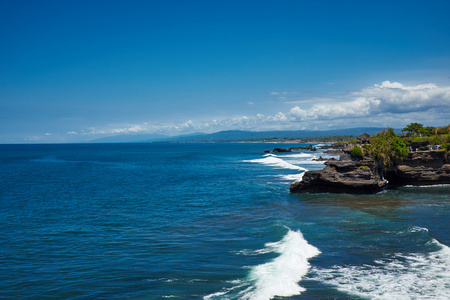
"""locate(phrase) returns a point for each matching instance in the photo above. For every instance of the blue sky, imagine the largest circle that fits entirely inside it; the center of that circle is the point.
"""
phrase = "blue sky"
(73, 71)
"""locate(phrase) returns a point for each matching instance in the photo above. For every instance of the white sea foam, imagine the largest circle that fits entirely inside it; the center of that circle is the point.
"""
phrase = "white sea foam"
(412, 276)
(274, 161)
(225, 292)
(427, 186)
(299, 155)
(306, 162)
(292, 177)
(279, 277)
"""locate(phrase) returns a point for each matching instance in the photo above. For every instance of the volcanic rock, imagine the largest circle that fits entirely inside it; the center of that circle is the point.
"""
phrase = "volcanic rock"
(342, 176)
(421, 168)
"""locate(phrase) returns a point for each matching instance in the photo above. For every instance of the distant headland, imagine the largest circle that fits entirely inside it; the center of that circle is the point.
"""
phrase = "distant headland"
(420, 156)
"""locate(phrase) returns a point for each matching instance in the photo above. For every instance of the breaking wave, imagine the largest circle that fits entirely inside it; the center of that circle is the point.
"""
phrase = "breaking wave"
(403, 276)
(280, 276)
(274, 161)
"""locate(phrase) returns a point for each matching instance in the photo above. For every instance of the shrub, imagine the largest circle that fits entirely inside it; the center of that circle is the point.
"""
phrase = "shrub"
(357, 152)
(387, 148)
(446, 147)
(444, 130)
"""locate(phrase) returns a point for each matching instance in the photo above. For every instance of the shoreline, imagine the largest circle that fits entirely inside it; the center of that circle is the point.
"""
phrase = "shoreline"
(363, 176)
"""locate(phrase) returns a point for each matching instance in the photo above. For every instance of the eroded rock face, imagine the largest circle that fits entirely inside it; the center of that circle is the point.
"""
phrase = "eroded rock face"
(347, 175)
(278, 150)
(421, 168)
(342, 176)
(309, 147)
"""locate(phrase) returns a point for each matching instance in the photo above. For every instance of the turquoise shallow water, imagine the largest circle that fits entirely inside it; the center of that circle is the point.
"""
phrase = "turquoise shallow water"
(208, 221)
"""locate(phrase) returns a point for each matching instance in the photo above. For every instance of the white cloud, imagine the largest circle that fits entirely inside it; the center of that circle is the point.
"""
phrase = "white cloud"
(131, 129)
(396, 98)
(380, 99)
(188, 124)
(381, 105)
(397, 85)
(357, 108)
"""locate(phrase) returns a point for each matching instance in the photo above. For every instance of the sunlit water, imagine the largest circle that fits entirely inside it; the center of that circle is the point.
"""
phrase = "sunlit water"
(208, 221)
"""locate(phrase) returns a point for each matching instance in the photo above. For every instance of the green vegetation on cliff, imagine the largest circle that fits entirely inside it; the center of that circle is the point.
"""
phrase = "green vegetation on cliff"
(419, 136)
(357, 152)
(387, 148)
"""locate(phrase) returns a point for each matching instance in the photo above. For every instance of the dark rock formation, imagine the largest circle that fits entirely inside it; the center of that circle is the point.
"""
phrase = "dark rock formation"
(323, 159)
(348, 175)
(342, 176)
(277, 150)
(309, 147)
(421, 168)
(333, 152)
(334, 146)
(319, 159)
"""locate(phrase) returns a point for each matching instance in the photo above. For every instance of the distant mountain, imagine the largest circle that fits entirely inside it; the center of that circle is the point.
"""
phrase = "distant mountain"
(236, 135)
(130, 138)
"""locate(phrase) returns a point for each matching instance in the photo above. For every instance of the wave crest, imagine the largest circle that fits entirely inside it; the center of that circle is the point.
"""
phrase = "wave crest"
(280, 276)
(411, 276)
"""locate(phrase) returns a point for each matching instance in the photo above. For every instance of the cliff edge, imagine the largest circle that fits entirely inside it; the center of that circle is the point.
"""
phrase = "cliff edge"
(421, 168)
(361, 176)
(345, 175)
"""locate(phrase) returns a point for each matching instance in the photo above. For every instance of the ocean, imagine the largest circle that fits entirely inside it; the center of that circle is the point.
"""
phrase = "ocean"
(208, 221)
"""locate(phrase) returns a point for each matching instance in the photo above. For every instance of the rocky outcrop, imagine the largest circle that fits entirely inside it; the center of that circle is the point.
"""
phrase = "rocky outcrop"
(421, 168)
(336, 148)
(309, 147)
(348, 175)
(333, 146)
(278, 150)
(342, 176)
(323, 159)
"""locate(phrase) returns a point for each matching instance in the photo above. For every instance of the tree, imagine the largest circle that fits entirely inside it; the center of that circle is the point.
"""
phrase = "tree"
(444, 130)
(413, 129)
(387, 148)
(357, 152)
(427, 131)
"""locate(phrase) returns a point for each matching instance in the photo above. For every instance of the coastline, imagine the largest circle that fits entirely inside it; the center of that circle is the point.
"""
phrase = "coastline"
(363, 176)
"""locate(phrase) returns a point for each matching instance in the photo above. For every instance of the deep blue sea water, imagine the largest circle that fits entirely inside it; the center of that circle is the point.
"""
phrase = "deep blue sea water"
(208, 221)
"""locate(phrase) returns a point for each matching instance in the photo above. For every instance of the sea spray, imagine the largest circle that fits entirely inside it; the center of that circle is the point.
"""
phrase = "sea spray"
(292, 177)
(402, 276)
(275, 161)
(280, 276)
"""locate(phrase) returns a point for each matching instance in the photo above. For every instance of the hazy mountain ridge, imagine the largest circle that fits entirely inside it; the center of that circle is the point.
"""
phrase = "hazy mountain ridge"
(236, 135)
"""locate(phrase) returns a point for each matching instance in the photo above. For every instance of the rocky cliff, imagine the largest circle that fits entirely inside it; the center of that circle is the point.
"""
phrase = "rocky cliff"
(348, 175)
(421, 168)
(342, 176)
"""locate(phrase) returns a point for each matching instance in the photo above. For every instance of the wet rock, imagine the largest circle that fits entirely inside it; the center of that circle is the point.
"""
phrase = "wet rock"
(342, 176)
(278, 150)
(421, 168)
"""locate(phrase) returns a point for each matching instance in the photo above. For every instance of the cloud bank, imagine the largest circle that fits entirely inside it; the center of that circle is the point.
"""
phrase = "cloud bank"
(387, 104)
(387, 98)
